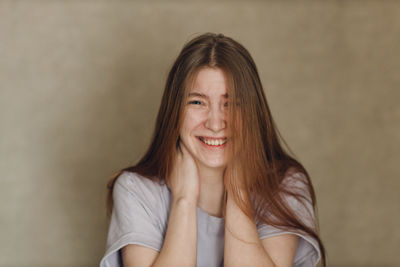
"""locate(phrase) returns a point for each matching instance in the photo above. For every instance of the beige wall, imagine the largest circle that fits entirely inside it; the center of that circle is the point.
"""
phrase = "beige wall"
(80, 85)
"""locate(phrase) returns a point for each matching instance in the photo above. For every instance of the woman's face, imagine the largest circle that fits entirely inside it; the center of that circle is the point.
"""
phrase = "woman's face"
(204, 129)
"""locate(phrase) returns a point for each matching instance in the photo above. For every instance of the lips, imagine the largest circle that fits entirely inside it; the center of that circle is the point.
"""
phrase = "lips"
(212, 141)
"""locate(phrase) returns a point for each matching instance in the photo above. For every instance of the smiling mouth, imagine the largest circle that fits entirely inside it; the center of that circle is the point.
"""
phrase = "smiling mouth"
(213, 142)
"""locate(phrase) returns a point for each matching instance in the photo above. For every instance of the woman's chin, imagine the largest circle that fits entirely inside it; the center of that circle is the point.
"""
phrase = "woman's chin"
(213, 164)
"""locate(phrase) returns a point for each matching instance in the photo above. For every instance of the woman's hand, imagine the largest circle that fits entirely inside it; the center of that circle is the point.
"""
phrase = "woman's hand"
(184, 180)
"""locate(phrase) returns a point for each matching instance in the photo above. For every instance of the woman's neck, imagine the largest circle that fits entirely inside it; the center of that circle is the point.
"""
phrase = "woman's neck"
(211, 190)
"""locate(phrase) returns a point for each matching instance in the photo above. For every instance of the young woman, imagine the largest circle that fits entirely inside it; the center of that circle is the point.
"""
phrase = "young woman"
(215, 187)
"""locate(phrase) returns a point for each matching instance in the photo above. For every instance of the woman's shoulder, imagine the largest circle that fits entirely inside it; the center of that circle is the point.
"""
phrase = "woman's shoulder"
(294, 178)
(140, 186)
(130, 180)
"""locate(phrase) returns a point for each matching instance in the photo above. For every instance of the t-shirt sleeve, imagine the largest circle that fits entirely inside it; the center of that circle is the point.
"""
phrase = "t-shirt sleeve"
(308, 253)
(133, 220)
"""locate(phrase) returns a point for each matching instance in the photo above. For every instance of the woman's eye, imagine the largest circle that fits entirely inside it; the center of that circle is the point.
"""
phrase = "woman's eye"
(195, 102)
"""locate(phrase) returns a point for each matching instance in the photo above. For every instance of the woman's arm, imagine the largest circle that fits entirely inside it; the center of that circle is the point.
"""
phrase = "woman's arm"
(253, 252)
(180, 243)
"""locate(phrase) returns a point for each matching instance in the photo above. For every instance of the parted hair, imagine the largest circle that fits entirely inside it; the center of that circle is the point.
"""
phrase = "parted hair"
(259, 163)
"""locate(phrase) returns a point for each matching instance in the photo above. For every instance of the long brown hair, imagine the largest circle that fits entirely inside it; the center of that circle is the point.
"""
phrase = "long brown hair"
(256, 147)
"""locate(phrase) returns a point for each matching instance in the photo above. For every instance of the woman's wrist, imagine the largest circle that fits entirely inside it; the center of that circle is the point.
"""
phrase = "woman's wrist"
(184, 201)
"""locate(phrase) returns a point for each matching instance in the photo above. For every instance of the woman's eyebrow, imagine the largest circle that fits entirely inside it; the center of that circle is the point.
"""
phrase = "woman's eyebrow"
(198, 94)
(204, 96)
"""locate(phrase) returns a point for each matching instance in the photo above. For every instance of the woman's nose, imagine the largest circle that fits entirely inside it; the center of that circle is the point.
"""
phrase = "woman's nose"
(216, 120)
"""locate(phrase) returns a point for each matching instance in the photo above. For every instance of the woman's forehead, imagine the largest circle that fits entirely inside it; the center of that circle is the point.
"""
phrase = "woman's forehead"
(209, 81)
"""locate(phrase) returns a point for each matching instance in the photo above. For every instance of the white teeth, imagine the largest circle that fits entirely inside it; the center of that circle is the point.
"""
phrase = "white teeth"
(214, 142)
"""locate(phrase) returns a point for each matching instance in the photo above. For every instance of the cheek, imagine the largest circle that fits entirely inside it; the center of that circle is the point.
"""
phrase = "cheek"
(187, 127)
(193, 120)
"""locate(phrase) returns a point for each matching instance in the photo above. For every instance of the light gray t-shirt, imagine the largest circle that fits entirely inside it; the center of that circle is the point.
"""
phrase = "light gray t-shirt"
(140, 216)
